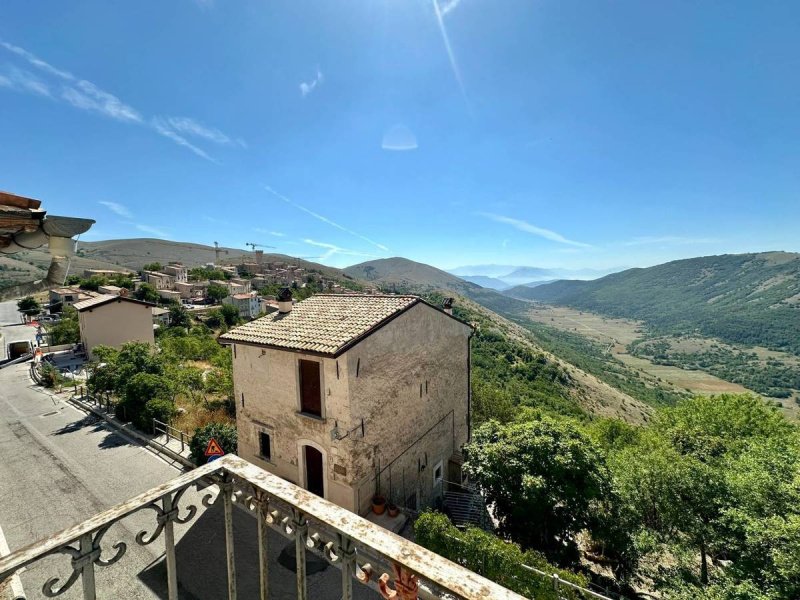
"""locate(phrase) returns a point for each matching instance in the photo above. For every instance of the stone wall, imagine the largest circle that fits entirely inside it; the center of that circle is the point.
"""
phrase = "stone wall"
(409, 383)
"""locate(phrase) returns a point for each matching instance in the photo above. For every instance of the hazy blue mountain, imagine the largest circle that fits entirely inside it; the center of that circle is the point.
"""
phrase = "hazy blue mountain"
(488, 282)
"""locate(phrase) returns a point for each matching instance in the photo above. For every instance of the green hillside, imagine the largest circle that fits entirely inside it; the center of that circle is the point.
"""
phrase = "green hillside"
(751, 299)
(402, 273)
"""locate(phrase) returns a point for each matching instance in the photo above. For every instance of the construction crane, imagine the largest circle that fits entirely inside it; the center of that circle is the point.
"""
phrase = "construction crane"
(217, 252)
(254, 246)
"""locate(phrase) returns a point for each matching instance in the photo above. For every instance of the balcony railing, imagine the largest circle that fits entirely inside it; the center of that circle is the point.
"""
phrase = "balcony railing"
(364, 552)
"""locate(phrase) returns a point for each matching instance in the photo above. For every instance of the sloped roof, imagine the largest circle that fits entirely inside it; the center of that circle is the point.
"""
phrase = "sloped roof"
(323, 323)
(105, 299)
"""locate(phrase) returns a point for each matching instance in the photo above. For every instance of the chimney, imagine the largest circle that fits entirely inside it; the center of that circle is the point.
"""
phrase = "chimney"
(285, 301)
(447, 306)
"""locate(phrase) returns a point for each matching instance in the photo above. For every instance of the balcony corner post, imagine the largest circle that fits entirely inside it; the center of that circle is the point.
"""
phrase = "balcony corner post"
(347, 553)
(300, 534)
(85, 563)
(226, 486)
(263, 547)
(170, 512)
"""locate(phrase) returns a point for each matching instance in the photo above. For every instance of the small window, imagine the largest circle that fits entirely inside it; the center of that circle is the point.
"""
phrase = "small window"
(264, 445)
(437, 473)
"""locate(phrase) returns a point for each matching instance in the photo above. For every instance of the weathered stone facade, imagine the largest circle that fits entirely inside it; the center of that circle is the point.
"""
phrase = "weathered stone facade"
(407, 382)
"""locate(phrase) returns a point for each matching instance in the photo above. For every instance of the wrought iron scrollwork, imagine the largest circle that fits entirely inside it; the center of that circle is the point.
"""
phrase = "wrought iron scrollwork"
(89, 552)
(164, 516)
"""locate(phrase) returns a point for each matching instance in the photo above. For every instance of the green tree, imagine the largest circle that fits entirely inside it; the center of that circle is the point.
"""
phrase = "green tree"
(29, 306)
(67, 330)
(494, 558)
(217, 292)
(230, 314)
(140, 390)
(153, 266)
(225, 435)
(543, 478)
(147, 293)
(179, 316)
(93, 282)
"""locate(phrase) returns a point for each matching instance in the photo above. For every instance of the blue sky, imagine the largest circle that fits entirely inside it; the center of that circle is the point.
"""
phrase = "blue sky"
(553, 134)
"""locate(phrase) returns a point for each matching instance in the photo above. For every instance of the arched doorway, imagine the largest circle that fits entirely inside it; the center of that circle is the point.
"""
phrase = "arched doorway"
(315, 473)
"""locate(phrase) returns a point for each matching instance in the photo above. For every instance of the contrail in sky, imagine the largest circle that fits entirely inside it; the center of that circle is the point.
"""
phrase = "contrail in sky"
(324, 219)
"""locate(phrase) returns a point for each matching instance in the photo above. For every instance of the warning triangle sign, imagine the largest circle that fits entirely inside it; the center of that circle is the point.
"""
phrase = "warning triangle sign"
(213, 448)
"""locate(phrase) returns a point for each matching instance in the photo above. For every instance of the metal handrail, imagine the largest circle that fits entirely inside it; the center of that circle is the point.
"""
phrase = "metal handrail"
(170, 431)
(359, 548)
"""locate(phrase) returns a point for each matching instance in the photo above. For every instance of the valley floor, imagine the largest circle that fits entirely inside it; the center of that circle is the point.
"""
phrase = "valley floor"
(617, 334)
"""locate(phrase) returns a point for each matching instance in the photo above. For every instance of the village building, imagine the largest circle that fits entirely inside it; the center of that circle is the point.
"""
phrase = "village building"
(170, 295)
(66, 296)
(112, 289)
(160, 316)
(248, 305)
(105, 273)
(352, 396)
(192, 289)
(160, 281)
(114, 320)
(178, 272)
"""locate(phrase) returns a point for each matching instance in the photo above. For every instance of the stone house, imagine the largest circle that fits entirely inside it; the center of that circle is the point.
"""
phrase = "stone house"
(248, 305)
(160, 281)
(66, 296)
(349, 395)
(114, 320)
(178, 272)
(192, 289)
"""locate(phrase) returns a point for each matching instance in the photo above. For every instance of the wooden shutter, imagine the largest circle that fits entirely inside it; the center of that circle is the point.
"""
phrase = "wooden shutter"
(310, 388)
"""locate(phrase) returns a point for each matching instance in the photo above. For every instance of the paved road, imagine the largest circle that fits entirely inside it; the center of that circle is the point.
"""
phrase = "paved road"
(12, 328)
(60, 467)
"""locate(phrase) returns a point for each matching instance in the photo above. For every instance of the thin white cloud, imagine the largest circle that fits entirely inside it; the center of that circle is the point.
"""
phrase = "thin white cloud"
(37, 62)
(269, 232)
(333, 249)
(668, 239)
(117, 208)
(24, 81)
(85, 95)
(324, 219)
(535, 230)
(307, 87)
(151, 230)
(185, 125)
(163, 129)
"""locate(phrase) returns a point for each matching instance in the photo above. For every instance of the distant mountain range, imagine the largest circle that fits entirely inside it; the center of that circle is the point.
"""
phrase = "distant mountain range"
(502, 277)
(739, 298)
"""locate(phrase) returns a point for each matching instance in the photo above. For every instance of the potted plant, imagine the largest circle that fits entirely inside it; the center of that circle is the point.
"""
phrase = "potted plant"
(392, 509)
(378, 504)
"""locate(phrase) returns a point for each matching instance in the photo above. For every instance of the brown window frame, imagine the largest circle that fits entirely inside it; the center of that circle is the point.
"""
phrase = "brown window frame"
(306, 387)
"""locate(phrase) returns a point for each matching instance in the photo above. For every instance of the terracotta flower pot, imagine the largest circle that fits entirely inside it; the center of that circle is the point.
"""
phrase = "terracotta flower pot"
(393, 510)
(378, 504)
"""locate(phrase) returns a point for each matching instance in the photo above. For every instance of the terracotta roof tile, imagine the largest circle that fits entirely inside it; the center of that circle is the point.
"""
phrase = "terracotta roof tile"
(84, 304)
(323, 323)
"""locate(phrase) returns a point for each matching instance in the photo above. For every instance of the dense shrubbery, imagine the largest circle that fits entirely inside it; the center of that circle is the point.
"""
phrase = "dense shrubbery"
(492, 557)
(67, 330)
(702, 503)
(224, 434)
